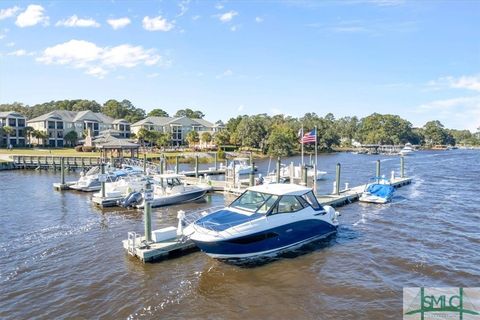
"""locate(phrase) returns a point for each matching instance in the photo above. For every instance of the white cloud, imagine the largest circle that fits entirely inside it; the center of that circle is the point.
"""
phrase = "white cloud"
(227, 16)
(183, 5)
(234, 28)
(99, 61)
(33, 15)
(10, 44)
(226, 73)
(18, 53)
(462, 82)
(460, 113)
(8, 12)
(240, 108)
(219, 6)
(258, 19)
(153, 75)
(195, 18)
(75, 21)
(157, 24)
(119, 23)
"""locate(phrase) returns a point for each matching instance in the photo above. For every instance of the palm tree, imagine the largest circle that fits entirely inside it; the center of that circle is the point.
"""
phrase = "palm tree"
(28, 133)
(192, 137)
(71, 138)
(40, 135)
(8, 131)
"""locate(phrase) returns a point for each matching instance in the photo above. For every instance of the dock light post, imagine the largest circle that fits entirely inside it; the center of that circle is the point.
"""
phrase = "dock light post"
(215, 158)
(176, 164)
(279, 162)
(252, 181)
(62, 169)
(402, 167)
(147, 211)
(196, 166)
(315, 179)
(337, 179)
(377, 173)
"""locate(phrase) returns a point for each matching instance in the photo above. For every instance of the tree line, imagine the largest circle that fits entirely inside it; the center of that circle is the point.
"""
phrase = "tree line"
(274, 135)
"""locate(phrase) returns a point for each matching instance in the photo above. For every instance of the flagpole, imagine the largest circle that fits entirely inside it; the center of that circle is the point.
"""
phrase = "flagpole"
(316, 147)
(301, 141)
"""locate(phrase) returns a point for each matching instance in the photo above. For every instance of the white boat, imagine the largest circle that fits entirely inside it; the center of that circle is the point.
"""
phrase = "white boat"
(265, 220)
(241, 166)
(90, 180)
(124, 185)
(169, 189)
(407, 149)
(380, 191)
(286, 174)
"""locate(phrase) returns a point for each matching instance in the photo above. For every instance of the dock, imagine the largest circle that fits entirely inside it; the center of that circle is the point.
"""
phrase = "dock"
(157, 250)
(54, 162)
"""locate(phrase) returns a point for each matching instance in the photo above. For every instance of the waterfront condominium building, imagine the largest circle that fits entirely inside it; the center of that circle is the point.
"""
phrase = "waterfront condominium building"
(59, 123)
(15, 121)
(177, 127)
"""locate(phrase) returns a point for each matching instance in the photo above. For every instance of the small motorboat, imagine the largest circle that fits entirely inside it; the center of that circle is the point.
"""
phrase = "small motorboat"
(124, 185)
(286, 174)
(380, 191)
(241, 166)
(407, 149)
(264, 221)
(90, 181)
(169, 189)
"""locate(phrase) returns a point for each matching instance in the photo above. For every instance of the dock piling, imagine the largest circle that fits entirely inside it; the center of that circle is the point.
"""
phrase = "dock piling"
(196, 166)
(145, 163)
(402, 167)
(252, 180)
(103, 180)
(278, 169)
(377, 172)
(215, 158)
(315, 179)
(148, 213)
(176, 164)
(62, 169)
(337, 179)
(304, 175)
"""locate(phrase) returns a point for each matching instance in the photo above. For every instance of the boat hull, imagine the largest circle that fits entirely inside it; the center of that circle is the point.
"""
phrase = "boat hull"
(268, 242)
(177, 198)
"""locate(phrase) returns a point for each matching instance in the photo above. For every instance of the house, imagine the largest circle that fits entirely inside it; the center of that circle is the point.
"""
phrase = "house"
(123, 127)
(177, 127)
(16, 121)
(59, 123)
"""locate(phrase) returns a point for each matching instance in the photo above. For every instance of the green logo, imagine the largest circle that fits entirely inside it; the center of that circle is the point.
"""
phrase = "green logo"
(441, 303)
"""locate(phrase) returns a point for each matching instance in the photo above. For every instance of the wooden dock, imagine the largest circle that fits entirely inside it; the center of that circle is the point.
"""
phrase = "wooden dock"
(53, 162)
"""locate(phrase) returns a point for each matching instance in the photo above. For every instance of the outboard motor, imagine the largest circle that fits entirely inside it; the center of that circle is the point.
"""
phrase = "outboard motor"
(132, 199)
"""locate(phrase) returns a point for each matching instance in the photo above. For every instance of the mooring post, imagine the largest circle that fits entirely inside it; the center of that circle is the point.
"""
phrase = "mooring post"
(305, 175)
(215, 159)
(112, 161)
(103, 179)
(145, 163)
(252, 178)
(315, 179)
(196, 166)
(279, 163)
(234, 174)
(161, 170)
(337, 179)
(62, 169)
(377, 172)
(148, 213)
(176, 164)
(402, 167)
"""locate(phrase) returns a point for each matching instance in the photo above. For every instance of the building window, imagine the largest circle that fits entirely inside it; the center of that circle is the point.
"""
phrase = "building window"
(12, 122)
(177, 133)
(122, 127)
(51, 124)
(59, 143)
(59, 134)
(20, 133)
(127, 127)
(51, 143)
(21, 122)
(59, 125)
(95, 126)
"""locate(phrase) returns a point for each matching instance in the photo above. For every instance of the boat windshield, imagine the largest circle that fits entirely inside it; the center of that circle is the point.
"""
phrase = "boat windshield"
(253, 201)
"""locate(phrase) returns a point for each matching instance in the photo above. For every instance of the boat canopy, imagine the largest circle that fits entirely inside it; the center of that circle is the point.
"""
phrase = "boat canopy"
(380, 190)
(281, 189)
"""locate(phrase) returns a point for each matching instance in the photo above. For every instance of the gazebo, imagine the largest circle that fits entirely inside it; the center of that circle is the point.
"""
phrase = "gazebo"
(111, 146)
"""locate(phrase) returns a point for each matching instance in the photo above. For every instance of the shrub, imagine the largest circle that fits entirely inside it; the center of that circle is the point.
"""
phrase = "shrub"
(79, 148)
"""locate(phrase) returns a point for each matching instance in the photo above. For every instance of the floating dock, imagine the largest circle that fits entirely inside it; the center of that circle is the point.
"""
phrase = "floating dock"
(157, 250)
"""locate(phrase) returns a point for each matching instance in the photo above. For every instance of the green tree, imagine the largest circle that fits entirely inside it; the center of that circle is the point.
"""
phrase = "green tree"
(384, 129)
(281, 141)
(28, 133)
(8, 131)
(206, 137)
(252, 131)
(221, 138)
(71, 138)
(189, 113)
(192, 138)
(123, 110)
(435, 133)
(163, 139)
(157, 113)
(40, 135)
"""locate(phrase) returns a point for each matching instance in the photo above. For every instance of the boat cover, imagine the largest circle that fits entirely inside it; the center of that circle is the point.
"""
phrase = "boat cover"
(381, 190)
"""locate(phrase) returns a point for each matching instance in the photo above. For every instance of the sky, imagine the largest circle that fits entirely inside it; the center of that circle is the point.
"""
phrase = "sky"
(417, 59)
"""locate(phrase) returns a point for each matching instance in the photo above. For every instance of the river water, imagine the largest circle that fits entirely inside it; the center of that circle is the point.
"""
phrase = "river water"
(61, 257)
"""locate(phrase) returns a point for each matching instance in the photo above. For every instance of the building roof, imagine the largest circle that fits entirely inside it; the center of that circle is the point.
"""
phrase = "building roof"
(110, 142)
(74, 116)
(120, 121)
(11, 113)
(162, 121)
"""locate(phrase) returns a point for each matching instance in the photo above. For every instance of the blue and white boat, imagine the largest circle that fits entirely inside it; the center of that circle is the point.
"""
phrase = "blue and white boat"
(265, 220)
(380, 191)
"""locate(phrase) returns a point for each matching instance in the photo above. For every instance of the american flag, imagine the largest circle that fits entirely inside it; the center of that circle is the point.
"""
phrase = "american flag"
(309, 137)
